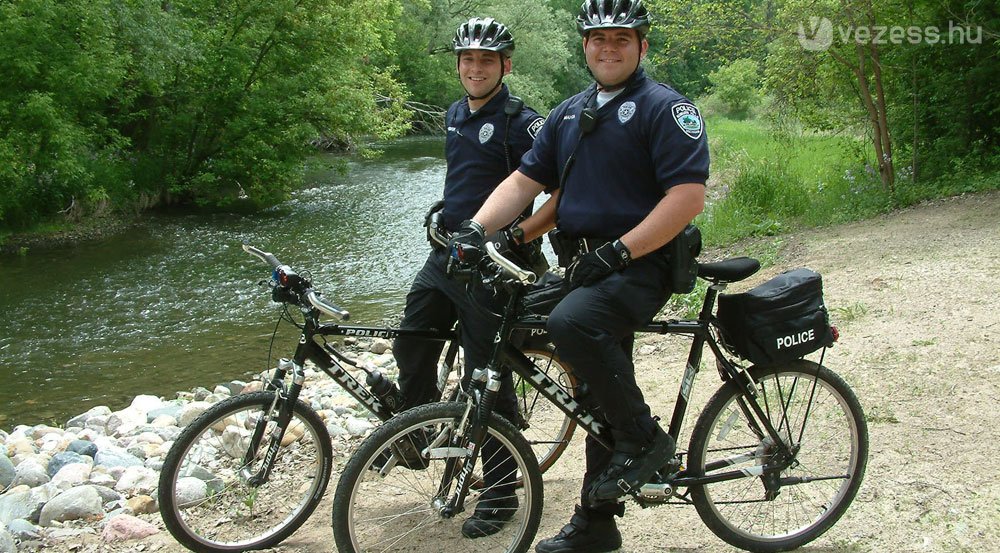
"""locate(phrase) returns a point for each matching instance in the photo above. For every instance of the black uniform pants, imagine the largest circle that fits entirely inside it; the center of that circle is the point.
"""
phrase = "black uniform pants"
(436, 301)
(592, 329)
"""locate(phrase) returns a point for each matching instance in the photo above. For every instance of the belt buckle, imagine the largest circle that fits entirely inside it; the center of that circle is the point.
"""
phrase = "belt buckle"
(584, 247)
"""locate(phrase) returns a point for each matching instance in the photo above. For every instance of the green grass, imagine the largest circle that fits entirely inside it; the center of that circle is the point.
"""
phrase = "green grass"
(771, 181)
(851, 312)
(774, 181)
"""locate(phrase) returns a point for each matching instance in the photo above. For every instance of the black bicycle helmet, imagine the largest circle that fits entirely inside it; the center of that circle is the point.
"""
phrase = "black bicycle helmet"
(483, 33)
(613, 14)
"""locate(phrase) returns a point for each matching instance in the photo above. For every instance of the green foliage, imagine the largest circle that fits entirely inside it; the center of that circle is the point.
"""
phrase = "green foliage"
(736, 86)
(690, 39)
(105, 103)
(770, 181)
(851, 312)
(946, 117)
(544, 36)
(126, 104)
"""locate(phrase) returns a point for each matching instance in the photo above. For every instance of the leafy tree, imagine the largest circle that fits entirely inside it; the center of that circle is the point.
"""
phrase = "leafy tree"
(60, 69)
(424, 59)
(737, 86)
(947, 117)
(137, 102)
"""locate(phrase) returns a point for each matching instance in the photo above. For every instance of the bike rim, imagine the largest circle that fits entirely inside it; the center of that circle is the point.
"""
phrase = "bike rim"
(829, 452)
(549, 429)
(234, 515)
(410, 494)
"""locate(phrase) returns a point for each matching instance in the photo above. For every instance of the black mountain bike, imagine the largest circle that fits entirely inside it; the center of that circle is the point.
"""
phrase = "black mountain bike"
(775, 458)
(250, 470)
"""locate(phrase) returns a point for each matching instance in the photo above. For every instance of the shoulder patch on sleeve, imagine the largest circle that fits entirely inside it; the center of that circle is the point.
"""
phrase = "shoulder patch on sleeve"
(688, 118)
(535, 126)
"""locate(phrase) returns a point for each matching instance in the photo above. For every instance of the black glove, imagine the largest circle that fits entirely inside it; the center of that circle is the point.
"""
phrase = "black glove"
(435, 207)
(505, 243)
(466, 245)
(593, 266)
(436, 235)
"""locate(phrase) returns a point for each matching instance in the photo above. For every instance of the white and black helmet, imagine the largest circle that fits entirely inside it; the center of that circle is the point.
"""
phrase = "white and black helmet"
(483, 33)
(613, 14)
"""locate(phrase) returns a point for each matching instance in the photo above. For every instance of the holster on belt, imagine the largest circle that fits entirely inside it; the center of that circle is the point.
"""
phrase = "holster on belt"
(565, 248)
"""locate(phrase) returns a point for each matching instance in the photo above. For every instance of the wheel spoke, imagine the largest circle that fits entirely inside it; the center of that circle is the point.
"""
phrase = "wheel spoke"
(790, 508)
(205, 501)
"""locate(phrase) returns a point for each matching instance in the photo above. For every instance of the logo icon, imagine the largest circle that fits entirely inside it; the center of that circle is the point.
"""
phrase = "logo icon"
(485, 133)
(534, 127)
(820, 35)
(626, 111)
(688, 119)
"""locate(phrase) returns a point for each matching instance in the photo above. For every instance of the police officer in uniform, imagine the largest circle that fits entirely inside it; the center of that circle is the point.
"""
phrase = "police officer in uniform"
(626, 161)
(488, 132)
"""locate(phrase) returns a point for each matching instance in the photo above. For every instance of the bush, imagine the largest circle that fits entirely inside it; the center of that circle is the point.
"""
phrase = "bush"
(111, 104)
(737, 87)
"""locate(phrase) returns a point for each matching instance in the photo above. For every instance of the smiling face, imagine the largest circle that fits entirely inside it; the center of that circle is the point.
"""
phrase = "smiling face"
(613, 54)
(480, 72)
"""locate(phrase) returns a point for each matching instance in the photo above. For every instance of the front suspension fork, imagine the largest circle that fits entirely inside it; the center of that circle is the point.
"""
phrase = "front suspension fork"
(476, 436)
(280, 413)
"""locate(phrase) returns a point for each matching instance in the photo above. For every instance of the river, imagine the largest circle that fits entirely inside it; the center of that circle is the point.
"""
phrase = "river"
(174, 303)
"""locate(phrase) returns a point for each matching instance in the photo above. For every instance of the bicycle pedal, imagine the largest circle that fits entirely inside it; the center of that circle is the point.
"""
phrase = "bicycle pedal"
(656, 492)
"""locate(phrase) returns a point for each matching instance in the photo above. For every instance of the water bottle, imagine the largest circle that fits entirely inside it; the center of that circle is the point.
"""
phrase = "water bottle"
(385, 390)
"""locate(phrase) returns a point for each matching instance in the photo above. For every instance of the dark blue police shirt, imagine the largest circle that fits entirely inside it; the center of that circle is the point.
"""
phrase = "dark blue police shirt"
(647, 139)
(475, 153)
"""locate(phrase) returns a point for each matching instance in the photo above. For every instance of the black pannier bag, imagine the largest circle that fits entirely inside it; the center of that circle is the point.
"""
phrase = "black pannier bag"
(779, 321)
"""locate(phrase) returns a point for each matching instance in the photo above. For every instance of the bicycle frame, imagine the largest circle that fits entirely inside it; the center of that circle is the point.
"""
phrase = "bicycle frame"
(699, 329)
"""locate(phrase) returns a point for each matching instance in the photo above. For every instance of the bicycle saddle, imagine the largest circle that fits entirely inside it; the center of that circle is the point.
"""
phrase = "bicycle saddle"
(733, 269)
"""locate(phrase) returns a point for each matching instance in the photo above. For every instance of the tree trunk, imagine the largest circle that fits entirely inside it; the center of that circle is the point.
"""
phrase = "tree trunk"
(876, 106)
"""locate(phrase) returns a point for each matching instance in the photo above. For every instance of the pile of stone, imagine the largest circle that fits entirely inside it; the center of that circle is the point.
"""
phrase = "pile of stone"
(98, 474)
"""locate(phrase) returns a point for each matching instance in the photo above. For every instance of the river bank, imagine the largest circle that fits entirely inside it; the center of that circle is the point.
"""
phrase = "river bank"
(58, 234)
(97, 474)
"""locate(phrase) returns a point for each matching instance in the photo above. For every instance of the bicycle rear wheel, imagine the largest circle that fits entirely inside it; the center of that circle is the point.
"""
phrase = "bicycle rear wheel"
(206, 498)
(548, 430)
(819, 418)
(383, 505)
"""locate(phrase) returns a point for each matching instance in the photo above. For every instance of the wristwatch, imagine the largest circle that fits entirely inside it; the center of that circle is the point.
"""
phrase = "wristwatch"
(622, 251)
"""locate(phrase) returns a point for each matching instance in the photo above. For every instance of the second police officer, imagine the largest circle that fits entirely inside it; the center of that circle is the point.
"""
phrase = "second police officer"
(626, 162)
(488, 131)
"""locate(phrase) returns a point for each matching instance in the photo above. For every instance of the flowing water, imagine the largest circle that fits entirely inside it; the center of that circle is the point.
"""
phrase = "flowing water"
(175, 302)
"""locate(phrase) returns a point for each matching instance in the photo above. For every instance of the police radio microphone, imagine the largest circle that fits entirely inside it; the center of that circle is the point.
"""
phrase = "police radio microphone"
(514, 105)
(588, 120)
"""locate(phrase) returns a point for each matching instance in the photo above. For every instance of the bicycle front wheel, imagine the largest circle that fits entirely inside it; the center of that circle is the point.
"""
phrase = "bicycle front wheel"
(386, 501)
(210, 493)
(548, 430)
(820, 420)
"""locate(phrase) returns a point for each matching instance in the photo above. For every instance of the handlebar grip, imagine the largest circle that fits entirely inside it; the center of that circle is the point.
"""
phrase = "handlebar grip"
(326, 307)
(511, 268)
(264, 256)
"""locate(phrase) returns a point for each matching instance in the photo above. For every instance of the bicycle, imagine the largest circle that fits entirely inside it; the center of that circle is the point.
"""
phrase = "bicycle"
(250, 470)
(774, 460)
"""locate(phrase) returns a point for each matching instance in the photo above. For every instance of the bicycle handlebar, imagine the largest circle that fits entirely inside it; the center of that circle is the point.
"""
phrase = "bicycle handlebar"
(512, 269)
(326, 307)
(266, 257)
(310, 295)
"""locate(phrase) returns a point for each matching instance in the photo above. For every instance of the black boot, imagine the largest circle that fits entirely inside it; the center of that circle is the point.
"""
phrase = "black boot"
(587, 532)
(632, 465)
(492, 512)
